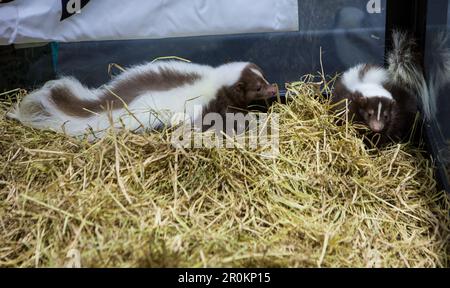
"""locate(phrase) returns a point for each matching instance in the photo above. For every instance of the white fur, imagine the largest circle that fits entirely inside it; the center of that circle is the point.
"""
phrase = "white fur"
(149, 110)
(376, 75)
(380, 108)
(371, 85)
(260, 75)
(372, 90)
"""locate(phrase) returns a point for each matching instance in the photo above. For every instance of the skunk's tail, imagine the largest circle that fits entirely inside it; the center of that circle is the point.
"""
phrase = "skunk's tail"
(38, 109)
(406, 72)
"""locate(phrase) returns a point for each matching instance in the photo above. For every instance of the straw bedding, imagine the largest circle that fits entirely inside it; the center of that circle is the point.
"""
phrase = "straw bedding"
(134, 200)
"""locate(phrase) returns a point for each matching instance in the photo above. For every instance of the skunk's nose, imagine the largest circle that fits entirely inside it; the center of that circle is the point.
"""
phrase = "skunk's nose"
(272, 90)
(376, 126)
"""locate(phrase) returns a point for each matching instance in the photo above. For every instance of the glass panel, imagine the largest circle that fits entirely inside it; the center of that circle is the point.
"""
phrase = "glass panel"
(25, 67)
(437, 67)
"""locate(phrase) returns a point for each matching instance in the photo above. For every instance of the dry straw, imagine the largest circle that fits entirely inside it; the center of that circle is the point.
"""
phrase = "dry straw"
(133, 200)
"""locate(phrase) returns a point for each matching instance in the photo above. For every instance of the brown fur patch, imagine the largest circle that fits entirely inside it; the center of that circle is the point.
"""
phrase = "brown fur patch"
(71, 105)
(236, 98)
(240, 94)
(127, 89)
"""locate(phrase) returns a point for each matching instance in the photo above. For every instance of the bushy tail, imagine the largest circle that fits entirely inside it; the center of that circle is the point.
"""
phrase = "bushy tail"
(34, 110)
(405, 71)
(37, 109)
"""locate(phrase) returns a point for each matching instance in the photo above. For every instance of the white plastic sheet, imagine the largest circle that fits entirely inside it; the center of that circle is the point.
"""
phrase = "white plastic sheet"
(25, 21)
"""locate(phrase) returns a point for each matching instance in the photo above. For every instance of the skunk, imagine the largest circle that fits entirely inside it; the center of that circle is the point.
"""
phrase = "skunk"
(385, 100)
(386, 108)
(144, 97)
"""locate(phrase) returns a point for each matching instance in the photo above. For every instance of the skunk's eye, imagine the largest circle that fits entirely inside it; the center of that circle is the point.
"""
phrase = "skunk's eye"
(259, 88)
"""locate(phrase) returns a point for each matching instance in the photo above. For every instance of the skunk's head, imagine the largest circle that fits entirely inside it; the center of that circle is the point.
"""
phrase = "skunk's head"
(252, 85)
(376, 112)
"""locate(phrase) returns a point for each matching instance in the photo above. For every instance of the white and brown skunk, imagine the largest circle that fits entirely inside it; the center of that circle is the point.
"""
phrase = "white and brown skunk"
(143, 97)
(384, 99)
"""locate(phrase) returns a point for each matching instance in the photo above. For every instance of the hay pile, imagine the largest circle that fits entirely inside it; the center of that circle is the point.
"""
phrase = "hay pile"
(133, 200)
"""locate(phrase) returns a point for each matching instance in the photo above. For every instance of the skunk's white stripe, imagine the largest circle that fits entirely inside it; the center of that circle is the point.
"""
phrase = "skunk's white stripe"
(376, 75)
(380, 106)
(260, 75)
(372, 90)
(351, 77)
(371, 84)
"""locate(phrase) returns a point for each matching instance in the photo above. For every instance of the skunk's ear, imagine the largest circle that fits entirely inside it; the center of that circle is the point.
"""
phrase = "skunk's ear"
(239, 87)
(392, 103)
(359, 99)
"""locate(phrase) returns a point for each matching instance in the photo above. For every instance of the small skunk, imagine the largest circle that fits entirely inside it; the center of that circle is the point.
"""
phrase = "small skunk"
(144, 97)
(379, 97)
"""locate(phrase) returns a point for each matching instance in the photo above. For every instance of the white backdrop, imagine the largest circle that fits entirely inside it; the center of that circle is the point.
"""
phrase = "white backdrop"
(25, 21)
